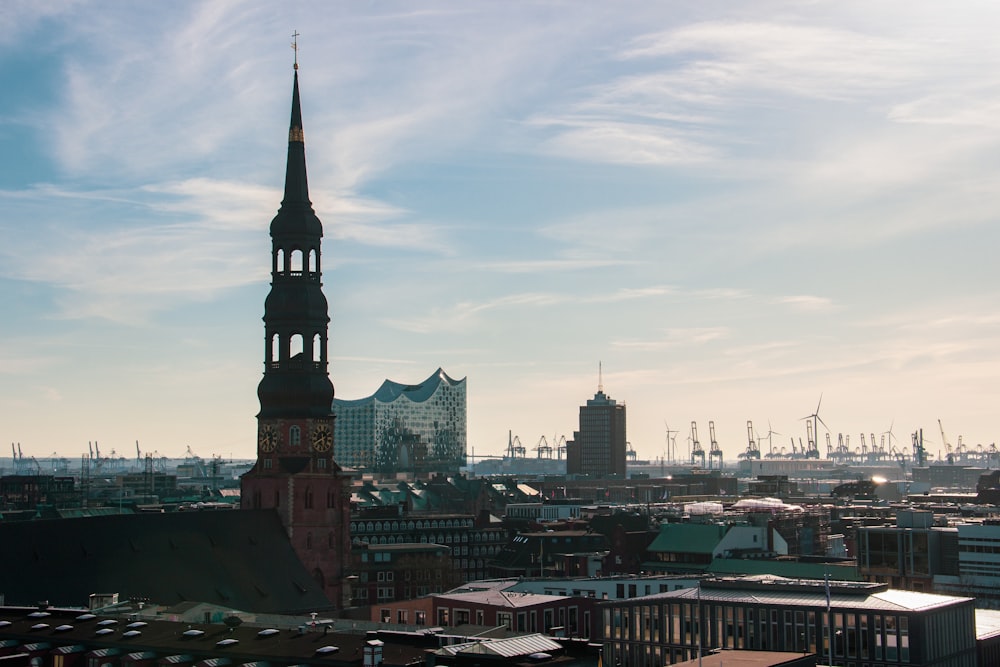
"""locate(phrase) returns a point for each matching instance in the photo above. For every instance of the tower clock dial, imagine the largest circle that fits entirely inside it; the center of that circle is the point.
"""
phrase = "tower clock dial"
(268, 437)
(322, 437)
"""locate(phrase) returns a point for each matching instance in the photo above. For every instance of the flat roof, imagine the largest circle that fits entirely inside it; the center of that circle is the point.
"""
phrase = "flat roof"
(805, 593)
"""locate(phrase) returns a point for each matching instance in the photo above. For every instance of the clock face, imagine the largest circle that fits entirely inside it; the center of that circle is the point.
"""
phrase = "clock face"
(268, 438)
(322, 437)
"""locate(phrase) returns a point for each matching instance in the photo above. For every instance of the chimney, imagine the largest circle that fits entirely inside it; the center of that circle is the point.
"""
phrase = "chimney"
(373, 652)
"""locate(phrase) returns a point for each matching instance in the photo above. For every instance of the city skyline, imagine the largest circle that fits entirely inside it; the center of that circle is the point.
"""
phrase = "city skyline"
(734, 210)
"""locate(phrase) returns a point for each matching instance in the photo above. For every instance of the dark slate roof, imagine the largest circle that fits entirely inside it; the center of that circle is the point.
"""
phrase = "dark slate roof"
(165, 641)
(236, 558)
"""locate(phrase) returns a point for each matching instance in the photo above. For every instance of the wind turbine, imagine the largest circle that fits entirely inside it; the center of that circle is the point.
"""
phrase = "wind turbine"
(770, 432)
(671, 442)
(891, 436)
(814, 448)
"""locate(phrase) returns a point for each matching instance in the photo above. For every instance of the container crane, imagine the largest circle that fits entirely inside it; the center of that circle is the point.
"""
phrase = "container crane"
(950, 456)
(543, 448)
(560, 446)
(515, 449)
(696, 449)
(713, 452)
(919, 454)
(753, 448)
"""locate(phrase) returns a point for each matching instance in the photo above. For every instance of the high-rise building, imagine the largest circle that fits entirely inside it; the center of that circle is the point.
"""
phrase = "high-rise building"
(598, 448)
(414, 428)
(295, 472)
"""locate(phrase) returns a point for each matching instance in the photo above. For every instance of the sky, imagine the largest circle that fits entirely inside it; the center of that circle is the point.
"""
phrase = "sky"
(718, 211)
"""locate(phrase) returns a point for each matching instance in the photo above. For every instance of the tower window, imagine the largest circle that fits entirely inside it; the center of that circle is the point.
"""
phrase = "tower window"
(274, 349)
(296, 263)
(308, 498)
(294, 436)
(313, 261)
(295, 345)
(267, 464)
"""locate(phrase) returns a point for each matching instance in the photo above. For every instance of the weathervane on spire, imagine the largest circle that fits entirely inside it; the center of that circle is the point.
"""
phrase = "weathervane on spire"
(295, 47)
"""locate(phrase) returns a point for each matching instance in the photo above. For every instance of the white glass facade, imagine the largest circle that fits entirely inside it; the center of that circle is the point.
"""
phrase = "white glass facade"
(404, 428)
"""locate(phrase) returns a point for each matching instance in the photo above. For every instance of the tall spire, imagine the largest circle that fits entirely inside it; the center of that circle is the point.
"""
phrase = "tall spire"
(296, 214)
(296, 184)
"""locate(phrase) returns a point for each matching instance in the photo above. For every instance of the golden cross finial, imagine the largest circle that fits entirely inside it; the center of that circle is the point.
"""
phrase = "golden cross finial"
(295, 47)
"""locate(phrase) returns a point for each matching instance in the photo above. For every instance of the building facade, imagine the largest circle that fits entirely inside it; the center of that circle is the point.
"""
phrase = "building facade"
(471, 544)
(411, 428)
(844, 623)
(401, 571)
(295, 472)
(978, 564)
(910, 554)
(598, 449)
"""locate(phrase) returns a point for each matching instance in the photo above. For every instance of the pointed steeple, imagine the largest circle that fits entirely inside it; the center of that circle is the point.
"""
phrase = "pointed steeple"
(296, 184)
(296, 214)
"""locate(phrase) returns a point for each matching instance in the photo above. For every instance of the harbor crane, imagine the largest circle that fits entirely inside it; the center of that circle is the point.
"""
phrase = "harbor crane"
(713, 452)
(543, 448)
(947, 445)
(515, 449)
(919, 454)
(753, 448)
(630, 454)
(696, 449)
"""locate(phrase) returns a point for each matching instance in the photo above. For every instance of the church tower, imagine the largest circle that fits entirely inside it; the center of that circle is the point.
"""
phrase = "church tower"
(295, 472)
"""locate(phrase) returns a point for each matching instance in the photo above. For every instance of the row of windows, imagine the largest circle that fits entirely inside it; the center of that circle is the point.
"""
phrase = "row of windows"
(440, 538)
(378, 526)
(989, 548)
(320, 462)
(308, 500)
(633, 631)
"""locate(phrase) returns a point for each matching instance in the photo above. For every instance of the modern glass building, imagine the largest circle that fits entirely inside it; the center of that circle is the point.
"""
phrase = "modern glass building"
(413, 428)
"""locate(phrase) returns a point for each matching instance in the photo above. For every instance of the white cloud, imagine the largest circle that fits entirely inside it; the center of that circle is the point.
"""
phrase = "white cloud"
(806, 302)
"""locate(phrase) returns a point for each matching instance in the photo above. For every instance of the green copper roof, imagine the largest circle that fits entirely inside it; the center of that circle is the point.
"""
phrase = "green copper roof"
(692, 538)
